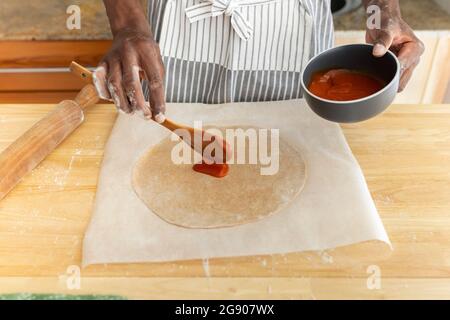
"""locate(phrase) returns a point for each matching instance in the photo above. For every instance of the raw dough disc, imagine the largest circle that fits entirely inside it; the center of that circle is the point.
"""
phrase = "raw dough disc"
(183, 197)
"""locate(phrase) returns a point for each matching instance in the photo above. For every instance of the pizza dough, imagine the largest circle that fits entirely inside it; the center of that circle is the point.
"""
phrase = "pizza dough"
(183, 197)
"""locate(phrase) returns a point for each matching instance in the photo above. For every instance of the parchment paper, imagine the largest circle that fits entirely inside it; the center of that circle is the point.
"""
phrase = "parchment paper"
(334, 209)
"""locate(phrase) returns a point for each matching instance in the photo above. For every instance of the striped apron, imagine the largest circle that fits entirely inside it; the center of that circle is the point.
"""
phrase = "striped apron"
(219, 51)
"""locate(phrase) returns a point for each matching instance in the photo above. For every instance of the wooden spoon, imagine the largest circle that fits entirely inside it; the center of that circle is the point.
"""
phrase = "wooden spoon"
(194, 134)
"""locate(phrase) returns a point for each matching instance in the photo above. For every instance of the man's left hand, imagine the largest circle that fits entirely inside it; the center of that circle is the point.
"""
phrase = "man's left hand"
(395, 35)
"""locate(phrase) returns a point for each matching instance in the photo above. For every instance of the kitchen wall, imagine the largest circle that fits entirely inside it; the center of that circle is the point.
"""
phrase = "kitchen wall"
(445, 4)
(45, 19)
(420, 15)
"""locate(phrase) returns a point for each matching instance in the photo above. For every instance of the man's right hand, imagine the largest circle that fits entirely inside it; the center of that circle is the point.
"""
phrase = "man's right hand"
(134, 53)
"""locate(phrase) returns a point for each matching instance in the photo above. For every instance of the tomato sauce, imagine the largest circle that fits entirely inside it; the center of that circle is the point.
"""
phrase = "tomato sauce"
(215, 169)
(344, 85)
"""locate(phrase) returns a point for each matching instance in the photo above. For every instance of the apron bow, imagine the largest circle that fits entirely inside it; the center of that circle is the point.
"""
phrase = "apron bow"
(230, 8)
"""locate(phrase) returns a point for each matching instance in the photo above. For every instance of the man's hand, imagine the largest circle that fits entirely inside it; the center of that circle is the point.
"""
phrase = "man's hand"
(134, 52)
(395, 35)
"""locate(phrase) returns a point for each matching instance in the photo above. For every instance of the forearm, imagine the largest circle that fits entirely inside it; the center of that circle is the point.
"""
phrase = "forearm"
(126, 14)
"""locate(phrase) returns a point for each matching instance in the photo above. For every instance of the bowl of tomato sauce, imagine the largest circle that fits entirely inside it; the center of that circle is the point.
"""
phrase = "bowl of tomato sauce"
(348, 84)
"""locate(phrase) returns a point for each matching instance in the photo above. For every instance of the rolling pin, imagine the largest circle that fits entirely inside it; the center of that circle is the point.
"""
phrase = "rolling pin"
(24, 154)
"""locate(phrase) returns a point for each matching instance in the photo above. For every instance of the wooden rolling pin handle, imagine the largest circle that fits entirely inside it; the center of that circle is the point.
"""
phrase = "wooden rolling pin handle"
(24, 154)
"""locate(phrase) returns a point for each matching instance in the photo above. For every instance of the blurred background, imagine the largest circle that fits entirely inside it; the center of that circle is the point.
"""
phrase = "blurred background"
(36, 46)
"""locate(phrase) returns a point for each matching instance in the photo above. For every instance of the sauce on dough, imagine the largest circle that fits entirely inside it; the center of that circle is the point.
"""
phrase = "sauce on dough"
(215, 170)
(183, 197)
(218, 168)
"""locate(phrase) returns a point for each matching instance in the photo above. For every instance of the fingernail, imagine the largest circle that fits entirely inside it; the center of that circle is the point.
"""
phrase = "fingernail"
(148, 114)
(160, 118)
(144, 113)
(379, 49)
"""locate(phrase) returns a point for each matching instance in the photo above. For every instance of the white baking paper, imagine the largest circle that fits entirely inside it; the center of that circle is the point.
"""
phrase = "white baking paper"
(334, 209)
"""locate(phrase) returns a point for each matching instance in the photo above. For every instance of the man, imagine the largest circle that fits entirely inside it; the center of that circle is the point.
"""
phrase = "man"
(218, 51)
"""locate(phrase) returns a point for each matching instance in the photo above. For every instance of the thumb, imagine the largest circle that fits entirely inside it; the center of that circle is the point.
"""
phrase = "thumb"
(382, 43)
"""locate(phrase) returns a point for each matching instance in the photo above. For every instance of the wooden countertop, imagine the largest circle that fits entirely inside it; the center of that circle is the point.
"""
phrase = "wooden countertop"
(405, 156)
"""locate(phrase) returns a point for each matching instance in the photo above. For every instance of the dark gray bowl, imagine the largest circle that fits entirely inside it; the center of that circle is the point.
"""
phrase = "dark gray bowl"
(354, 57)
